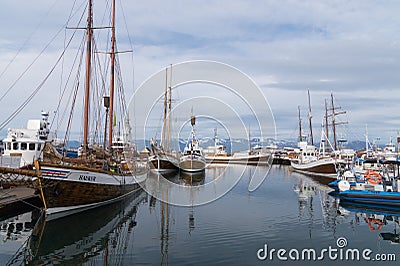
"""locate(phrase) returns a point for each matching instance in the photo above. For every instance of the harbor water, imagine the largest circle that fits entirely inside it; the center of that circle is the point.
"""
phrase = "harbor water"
(290, 212)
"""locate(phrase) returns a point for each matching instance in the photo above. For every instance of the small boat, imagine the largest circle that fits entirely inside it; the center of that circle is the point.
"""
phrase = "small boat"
(192, 159)
(217, 154)
(383, 198)
(373, 188)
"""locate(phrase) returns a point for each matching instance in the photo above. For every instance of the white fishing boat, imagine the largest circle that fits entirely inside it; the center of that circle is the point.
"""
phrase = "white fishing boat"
(192, 159)
(217, 154)
(23, 146)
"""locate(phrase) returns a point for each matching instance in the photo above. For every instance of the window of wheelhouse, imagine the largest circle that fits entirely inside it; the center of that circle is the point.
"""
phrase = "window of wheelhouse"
(15, 146)
(31, 146)
(8, 145)
(24, 146)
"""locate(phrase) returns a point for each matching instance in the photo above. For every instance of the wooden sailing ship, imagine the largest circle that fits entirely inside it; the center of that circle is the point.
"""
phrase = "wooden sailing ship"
(163, 159)
(311, 160)
(100, 175)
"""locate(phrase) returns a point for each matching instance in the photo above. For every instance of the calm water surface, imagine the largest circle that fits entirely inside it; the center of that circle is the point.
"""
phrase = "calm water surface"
(288, 211)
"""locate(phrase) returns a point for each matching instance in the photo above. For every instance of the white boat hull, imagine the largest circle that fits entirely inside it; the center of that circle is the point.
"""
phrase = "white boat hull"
(192, 163)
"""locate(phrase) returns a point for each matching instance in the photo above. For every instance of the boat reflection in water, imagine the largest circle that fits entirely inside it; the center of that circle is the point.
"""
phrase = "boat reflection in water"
(193, 179)
(78, 238)
(376, 218)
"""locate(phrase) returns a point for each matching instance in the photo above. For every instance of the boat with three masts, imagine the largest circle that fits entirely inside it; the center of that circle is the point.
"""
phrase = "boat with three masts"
(313, 161)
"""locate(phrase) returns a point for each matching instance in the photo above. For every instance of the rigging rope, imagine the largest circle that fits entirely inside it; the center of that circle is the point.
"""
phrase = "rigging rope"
(27, 40)
(30, 97)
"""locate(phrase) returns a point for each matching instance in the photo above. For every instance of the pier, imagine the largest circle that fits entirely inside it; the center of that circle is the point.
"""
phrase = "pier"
(17, 199)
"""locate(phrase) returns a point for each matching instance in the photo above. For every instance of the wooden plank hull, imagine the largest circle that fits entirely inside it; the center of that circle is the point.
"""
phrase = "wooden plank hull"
(163, 163)
(68, 191)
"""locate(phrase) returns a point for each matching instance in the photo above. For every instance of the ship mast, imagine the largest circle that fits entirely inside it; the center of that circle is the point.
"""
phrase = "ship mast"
(88, 72)
(309, 118)
(163, 138)
(112, 76)
(333, 119)
(300, 133)
(169, 112)
(326, 120)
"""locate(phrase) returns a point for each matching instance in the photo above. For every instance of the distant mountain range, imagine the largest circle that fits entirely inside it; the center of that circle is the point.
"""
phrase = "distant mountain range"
(236, 144)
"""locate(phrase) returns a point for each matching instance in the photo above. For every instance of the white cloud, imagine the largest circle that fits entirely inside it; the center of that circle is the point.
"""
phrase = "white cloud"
(348, 47)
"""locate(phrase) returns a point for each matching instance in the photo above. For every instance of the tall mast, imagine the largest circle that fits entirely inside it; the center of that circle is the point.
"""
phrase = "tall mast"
(326, 120)
(309, 118)
(88, 72)
(112, 76)
(333, 123)
(366, 139)
(163, 138)
(169, 110)
(300, 133)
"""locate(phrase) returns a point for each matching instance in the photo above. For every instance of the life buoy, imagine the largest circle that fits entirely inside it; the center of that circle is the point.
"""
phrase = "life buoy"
(373, 177)
(372, 222)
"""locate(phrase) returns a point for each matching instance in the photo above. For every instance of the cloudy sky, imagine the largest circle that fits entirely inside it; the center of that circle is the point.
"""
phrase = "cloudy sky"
(348, 48)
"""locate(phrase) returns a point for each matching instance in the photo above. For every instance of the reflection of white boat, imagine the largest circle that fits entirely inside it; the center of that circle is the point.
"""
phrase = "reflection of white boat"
(17, 228)
(192, 159)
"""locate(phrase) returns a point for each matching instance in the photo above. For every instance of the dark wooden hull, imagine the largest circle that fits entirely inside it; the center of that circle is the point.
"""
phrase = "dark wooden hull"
(67, 191)
(163, 164)
(62, 193)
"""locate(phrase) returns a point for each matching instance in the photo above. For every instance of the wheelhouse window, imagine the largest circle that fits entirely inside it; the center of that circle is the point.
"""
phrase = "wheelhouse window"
(24, 146)
(31, 146)
(15, 146)
(8, 145)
